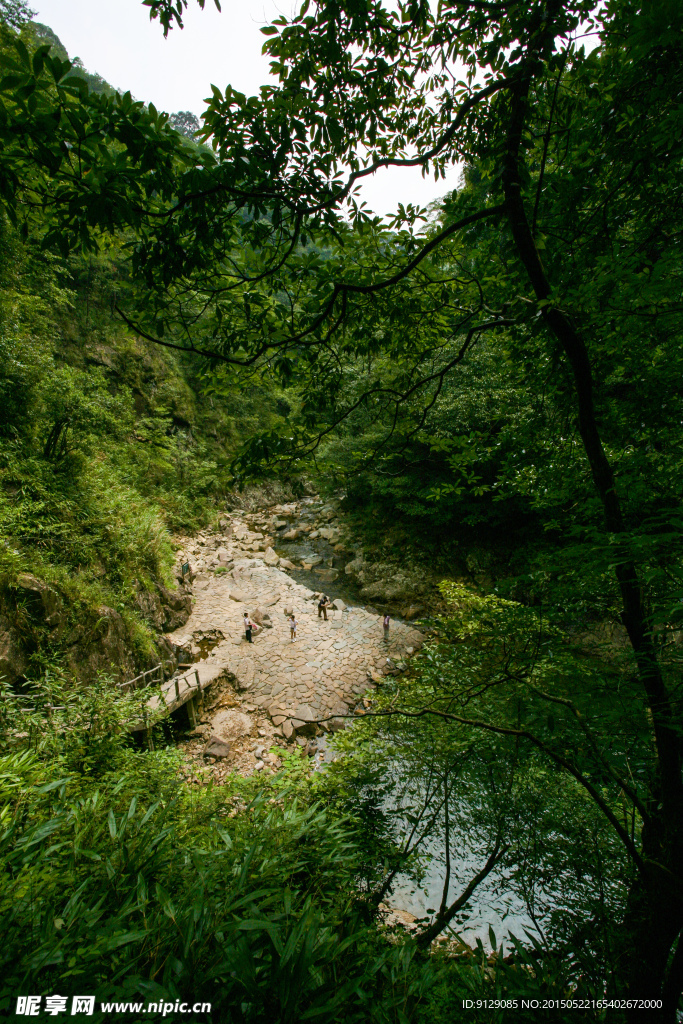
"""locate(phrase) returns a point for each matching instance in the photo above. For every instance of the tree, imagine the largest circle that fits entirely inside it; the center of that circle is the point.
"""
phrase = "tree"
(185, 122)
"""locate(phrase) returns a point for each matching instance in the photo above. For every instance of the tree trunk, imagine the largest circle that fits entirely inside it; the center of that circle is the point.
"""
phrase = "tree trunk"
(654, 919)
(655, 912)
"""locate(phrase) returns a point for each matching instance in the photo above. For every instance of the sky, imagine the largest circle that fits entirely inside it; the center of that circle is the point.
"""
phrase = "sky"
(116, 39)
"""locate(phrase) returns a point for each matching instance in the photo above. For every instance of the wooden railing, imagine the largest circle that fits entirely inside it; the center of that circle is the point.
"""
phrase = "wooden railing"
(144, 679)
(177, 680)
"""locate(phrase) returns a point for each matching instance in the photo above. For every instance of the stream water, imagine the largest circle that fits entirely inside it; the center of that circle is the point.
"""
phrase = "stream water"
(494, 904)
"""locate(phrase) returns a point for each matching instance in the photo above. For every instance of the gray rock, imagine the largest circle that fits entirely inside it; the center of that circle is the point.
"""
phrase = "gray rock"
(229, 724)
(177, 608)
(41, 598)
(293, 534)
(271, 557)
(237, 595)
(216, 748)
(339, 604)
(287, 729)
(303, 720)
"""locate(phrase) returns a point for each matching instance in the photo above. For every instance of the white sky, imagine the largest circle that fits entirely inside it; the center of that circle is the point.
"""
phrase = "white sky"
(116, 39)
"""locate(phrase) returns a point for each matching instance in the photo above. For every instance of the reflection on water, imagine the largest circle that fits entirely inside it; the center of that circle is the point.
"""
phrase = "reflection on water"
(493, 904)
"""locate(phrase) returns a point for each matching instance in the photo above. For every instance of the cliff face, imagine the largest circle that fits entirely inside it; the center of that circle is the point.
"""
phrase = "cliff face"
(39, 625)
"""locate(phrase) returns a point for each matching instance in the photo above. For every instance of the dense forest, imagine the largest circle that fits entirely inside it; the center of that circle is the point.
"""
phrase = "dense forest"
(198, 317)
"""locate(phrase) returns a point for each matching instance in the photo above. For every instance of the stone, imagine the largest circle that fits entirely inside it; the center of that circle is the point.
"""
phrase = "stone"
(216, 747)
(271, 557)
(303, 720)
(245, 674)
(372, 611)
(410, 650)
(176, 607)
(13, 659)
(286, 564)
(259, 766)
(339, 604)
(287, 729)
(309, 560)
(41, 599)
(293, 534)
(230, 724)
(329, 575)
(237, 595)
(354, 567)
(278, 719)
(257, 616)
(314, 534)
(412, 611)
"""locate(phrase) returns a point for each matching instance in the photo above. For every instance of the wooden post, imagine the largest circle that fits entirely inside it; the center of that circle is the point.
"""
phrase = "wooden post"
(150, 738)
(191, 713)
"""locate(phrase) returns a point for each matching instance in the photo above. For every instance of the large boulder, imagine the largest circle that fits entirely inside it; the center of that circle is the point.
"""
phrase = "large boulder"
(104, 647)
(177, 607)
(229, 725)
(42, 600)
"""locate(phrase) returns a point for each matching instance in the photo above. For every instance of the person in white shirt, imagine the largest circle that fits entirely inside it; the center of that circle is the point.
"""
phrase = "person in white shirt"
(292, 626)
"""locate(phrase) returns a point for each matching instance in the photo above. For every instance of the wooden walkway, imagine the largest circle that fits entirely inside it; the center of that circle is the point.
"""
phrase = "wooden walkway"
(172, 694)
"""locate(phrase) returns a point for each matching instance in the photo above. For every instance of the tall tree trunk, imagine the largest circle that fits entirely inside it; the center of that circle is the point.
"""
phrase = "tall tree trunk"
(654, 917)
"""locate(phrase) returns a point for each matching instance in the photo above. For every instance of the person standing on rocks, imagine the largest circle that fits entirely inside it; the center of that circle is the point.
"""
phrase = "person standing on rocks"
(385, 626)
(323, 605)
(292, 627)
(248, 626)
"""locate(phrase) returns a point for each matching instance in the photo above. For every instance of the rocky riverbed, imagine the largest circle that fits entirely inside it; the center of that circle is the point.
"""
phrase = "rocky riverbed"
(276, 691)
